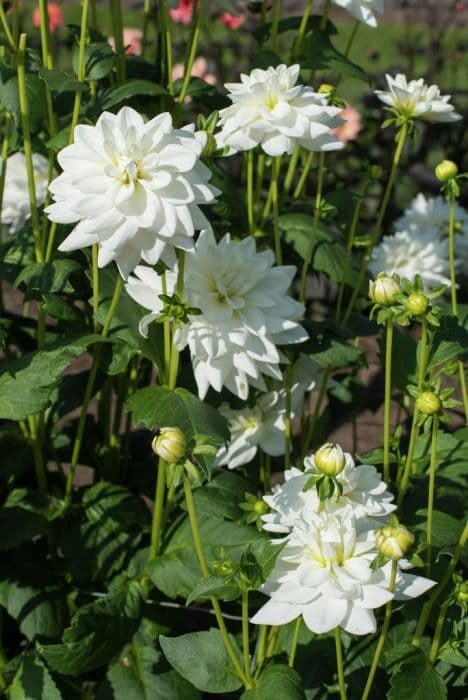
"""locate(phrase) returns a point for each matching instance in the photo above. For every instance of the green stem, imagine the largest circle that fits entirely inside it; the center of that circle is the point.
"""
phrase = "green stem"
(326, 12)
(315, 416)
(5, 147)
(205, 572)
(275, 168)
(250, 201)
(48, 62)
(89, 392)
(351, 38)
(339, 664)
(144, 34)
(292, 169)
(275, 17)
(388, 400)
(117, 28)
(431, 494)
(158, 511)
(245, 636)
(302, 180)
(81, 67)
(174, 363)
(438, 634)
(196, 22)
(315, 224)
(167, 336)
(287, 419)
(95, 273)
(37, 453)
(166, 24)
(259, 181)
(273, 638)
(292, 653)
(378, 226)
(427, 607)
(6, 29)
(261, 647)
(297, 48)
(383, 634)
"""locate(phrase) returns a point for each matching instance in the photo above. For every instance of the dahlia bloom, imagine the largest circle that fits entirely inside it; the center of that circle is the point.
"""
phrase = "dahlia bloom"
(348, 131)
(131, 40)
(363, 490)
(232, 21)
(183, 12)
(54, 13)
(324, 574)
(271, 111)
(133, 187)
(16, 208)
(363, 10)
(410, 253)
(416, 100)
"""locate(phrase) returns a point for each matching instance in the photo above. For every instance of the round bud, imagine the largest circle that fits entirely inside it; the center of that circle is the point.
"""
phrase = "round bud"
(417, 303)
(428, 403)
(392, 541)
(330, 459)
(446, 170)
(326, 88)
(462, 592)
(383, 289)
(170, 445)
(260, 507)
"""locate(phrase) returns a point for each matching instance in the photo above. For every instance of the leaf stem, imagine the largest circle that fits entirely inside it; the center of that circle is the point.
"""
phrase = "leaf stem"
(352, 36)
(387, 400)
(431, 494)
(302, 180)
(438, 633)
(197, 14)
(315, 224)
(295, 639)
(81, 67)
(339, 664)
(292, 168)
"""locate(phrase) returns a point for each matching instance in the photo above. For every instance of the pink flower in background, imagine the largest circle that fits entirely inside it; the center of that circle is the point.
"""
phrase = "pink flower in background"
(55, 17)
(232, 21)
(182, 13)
(352, 126)
(131, 41)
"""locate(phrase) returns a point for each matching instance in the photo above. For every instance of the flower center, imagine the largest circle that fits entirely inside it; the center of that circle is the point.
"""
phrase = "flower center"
(130, 170)
(271, 101)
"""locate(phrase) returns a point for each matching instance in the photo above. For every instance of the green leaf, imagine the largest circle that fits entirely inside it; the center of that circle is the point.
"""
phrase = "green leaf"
(277, 681)
(416, 680)
(48, 277)
(130, 88)
(19, 525)
(35, 94)
(33, 681)
(140, 675)
(214, 586)
(318, 53)
(446, 529)
(334, 353)
(449, 344)
(221, 496)
(404, 363)
(26, 384)
(112, 502)
(98, 630)
(59, 81)
(258, 559)
(202, 659)
(32, 501)
(99, 60)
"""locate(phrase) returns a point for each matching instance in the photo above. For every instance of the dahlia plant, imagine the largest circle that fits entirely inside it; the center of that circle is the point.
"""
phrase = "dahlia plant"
(234, 333)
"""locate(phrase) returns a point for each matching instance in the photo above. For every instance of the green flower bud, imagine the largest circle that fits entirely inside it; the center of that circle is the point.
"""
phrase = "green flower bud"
(462, 592)
(392, 541)
(428, 403)
(417, 303)
(446, 170)
(260, 507)
(326, 88)
(170, 445)
(383, 289)
(330, 459)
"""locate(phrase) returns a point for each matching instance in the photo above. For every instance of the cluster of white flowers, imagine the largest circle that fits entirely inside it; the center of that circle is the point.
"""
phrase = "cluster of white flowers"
(420, 243)
(324, 570)
(16, 208)
(363, 10)
(417, 100)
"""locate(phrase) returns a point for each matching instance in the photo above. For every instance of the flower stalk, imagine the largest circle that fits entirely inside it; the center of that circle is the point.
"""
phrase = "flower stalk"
(81, 67)
(275, 169)
(315, 224)
(431, 494)
(245, 636)
(156, 525)
(339, 664)
(387, 399)
(292, 653)
(250, 197)
(197, 15)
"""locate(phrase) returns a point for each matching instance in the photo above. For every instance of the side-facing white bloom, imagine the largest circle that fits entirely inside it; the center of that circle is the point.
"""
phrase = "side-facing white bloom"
(363, 490)
(363, 10)
(245, 313)
(416, 100)
(16, 208)
(133, 187)
(271, 111)
(324, 574)
(410, 253)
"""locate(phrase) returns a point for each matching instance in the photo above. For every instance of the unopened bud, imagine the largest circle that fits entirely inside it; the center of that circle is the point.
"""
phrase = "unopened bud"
(326, 88)
(330, 459)
(392, 541)
(428, 403)
(170, 445)
(417, 303)
(260, 507)
(383, 289)
(446, 170)
(462, 592)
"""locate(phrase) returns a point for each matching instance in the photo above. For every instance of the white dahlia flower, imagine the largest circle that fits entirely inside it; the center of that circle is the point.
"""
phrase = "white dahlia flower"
(271, 111)
(16, 208)
(263, 425)
(133, 187)
(408, 253)
(324, 574)
(364, 492)
(416, 100)
(145, 286)
(245, 313)
(363, 10)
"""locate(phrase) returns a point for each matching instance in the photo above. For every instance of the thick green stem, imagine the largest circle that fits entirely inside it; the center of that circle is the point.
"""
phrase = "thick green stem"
(117, 28)
(144, 34)
(196, 28)
(167, 42)
(174, 362)
(275, 17)
(297, 47)
(438, 634)
(315, 224)
(351, 38)
(387, 400)
(158, 510)
(302, 180)
(35, 438)
(275, 168)
(292, 653)
(326, 12)
(205, 572)
(6, 28)
(250, 199)
(95, 273)
(431, 494)
(292, 169)
(89, 392)
(81, 67)
(383, 634)
(5, 147)
(48, 62)
(315, 416)
(339, 664)
(245, 636)
(259, 182)
(261, 649)
(378, 226)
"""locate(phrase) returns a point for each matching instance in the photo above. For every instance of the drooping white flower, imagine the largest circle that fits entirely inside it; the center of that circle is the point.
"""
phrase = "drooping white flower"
(416, 100)
(324, 574)
(245, 313)
(133, 187)
(263, 424)
(363, 10)
(409, 253)
(16, 208)
(363, 490)
(271, 111)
